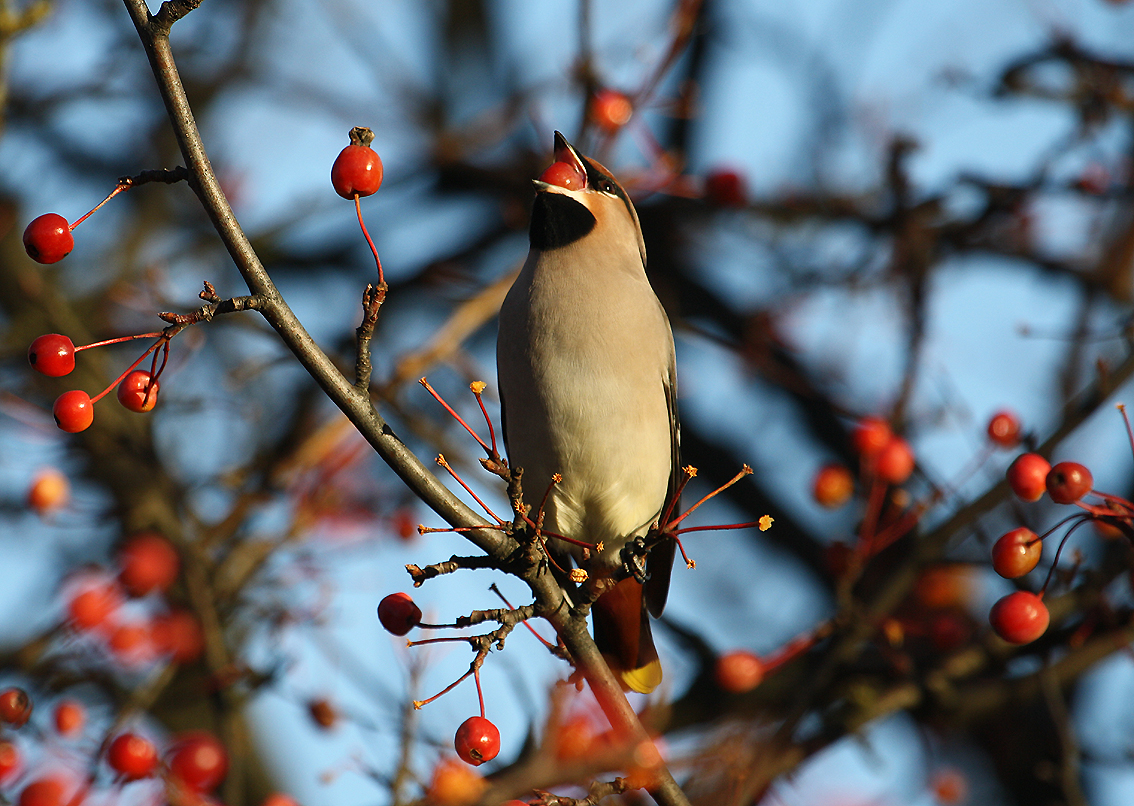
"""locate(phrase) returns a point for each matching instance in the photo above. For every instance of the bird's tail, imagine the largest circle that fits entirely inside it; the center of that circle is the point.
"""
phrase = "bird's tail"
(622, 633)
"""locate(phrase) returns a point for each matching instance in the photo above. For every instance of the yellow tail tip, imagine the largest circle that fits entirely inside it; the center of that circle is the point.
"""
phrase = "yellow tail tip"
(644, 679)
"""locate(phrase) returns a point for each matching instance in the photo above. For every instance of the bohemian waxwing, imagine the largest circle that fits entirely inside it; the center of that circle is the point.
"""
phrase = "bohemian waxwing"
(588, 387)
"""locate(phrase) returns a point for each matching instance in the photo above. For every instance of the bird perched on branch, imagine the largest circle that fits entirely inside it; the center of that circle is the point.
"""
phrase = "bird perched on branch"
(588, 385)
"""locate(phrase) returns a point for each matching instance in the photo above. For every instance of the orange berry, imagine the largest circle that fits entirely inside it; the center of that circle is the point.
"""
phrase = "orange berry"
(895, 462)
(833, 486)
(871, 435)
(70, 717)
(739, 671)
(611, 110)
(454, 783)
(50, 490)
(147, 562)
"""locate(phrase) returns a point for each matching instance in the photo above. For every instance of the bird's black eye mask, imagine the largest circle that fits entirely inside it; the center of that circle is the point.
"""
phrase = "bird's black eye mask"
(558, 220)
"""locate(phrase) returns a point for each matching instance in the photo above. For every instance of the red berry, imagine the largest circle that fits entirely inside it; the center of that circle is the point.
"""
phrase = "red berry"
(726, 188)
(950, 786)
(1020, 617)
(1004, 429)
(70, 716)
(611, 110)
(138, 391)
(92, 602)
(1016, 553)
(895, 462)
(454, 784)
(179, 635)
(48, 239)
(10, 762)
(322, 713)
(15, 707)
(49, 491)
(477, 741)
(73, 411)
(564, 175)
(576, 738)
(871, 435)
(948, 631)
(357, 169)
(1067, 482)
(738, 671)
(279, 799)
(132, 642)
(51, 791)
(398, 613)
(199, 760)
(147, 562)
(1027, 476)
(833, 486)
(52, 354)
(132, 756)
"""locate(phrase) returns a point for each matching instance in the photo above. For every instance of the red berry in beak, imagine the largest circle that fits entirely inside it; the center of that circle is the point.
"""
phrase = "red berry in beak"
(564, 175)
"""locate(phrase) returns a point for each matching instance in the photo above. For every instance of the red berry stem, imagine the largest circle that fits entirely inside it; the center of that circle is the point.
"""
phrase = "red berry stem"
(744, 471)
(1126, 420)
(458, 417)
(479, 692)
(687, 473)
(118, 340)
(163, 340)
(531, 629)
(441, 460)
(797, 646)
(1055, 562)
(417, 704)
(477, 387)
(366, 233)
(121, 186)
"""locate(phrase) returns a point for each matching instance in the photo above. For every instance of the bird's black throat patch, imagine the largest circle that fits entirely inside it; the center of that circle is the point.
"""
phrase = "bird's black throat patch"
(558, 220)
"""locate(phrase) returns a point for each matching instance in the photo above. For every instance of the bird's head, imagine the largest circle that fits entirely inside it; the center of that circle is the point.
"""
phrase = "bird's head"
(578, 198)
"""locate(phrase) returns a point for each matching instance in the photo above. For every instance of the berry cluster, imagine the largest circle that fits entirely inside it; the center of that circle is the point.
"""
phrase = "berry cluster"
(1021, 617)
(477, 740)
(53, 355)
(189, 767)
(125, 616)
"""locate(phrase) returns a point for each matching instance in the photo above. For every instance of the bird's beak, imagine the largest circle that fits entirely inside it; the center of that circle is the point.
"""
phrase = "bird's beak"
(565, 152)
(568, 170)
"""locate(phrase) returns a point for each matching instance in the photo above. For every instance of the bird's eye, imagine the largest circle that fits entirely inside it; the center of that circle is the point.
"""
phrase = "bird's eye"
(604, 186)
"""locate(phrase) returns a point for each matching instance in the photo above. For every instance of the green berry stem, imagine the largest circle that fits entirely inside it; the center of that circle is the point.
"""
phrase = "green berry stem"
(373, 249)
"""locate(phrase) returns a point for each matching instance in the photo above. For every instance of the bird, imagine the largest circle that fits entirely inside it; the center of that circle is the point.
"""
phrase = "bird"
(587, 376)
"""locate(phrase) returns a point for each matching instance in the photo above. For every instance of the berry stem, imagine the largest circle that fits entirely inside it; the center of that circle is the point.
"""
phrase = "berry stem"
(121, 186)
(417, 704)
(479, 692)
(118, 340)
(477, 387)
(1055, 562)
(130, 369)
(687, 473)
(531, 629)
(456, 416)
(744, 471)
(445, 464)
(1126, 420)
(366, 233)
